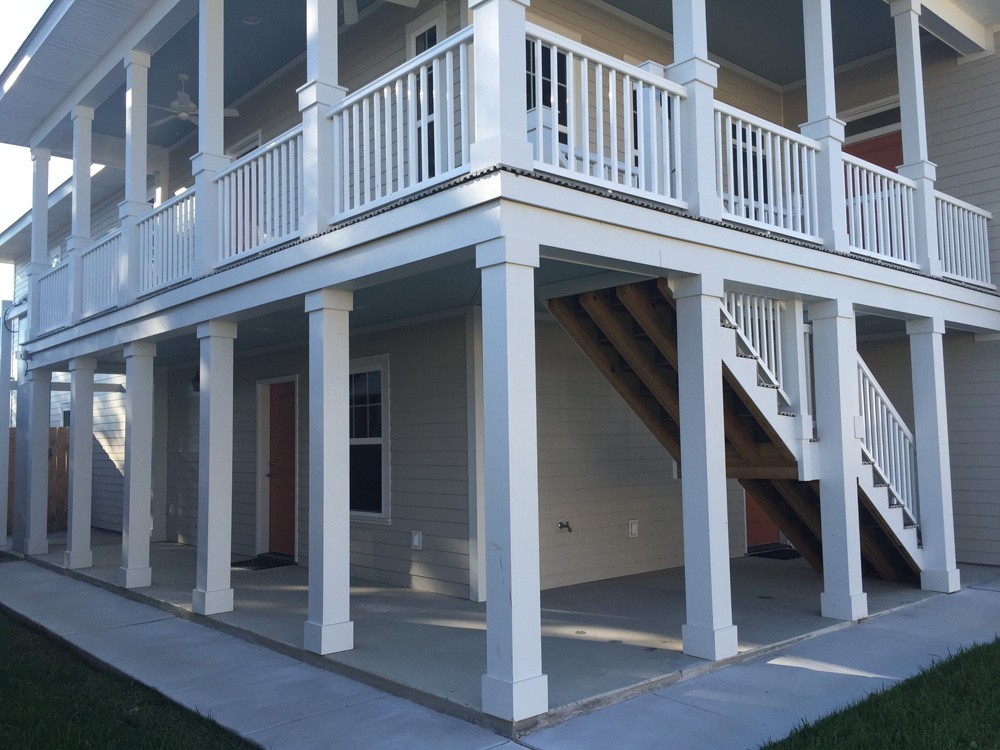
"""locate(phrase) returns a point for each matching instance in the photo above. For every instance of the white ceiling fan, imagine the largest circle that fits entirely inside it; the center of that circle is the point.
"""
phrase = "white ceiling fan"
(183, 107)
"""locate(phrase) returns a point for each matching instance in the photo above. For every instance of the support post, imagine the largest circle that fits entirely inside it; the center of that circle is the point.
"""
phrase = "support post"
(930, 412)
(39, 231)
(796, 366)
(836, 367)
(709, 632)
(214, 593)
(83, 121)
(823, 125)
(477, 436)
(161, 413)
(699, 75)
(135, 571)
(514, 686)
(6, 349)
(329, 627)
(32, 503)
(81, 463)
(136, 157)
(501, 126)
(916, 161)
(321, 92)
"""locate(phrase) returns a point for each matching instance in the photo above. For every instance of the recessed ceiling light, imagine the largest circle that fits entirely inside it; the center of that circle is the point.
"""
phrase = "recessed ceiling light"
(251, 20)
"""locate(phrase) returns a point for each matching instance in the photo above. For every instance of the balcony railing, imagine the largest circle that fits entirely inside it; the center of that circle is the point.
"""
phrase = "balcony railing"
(963, 240)
(404, 132)
(879, 211)
(52, 308)
(260, 197)
(99, 274)
(604, 121)
(166, 243)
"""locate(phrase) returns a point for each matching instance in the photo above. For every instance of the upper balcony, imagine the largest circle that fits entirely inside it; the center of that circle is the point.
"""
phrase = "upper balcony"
(591, 120)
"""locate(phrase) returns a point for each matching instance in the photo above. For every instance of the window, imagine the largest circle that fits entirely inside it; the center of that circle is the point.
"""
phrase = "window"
(561, 96)
(369, 428)
(422, 34)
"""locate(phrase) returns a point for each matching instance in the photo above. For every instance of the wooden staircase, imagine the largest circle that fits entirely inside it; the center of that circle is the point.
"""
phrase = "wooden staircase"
(630, 334)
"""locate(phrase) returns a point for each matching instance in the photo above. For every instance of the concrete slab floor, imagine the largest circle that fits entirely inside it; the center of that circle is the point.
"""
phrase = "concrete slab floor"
(598, 638)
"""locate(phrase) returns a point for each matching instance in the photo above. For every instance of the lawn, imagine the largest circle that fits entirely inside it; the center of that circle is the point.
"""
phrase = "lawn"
(51, 698)
(954, 705)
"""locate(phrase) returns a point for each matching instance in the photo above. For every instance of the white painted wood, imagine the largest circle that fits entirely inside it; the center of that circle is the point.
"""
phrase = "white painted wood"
(161, 412)
(135, 571)
(83, 121)
(40, 205)
(32, 497)
(6, 350)
(514, 686)
(708, 631)
(835, 358)
(81, 463)
(213, 593)
(476, 466)
(937, 522)
(329, 628)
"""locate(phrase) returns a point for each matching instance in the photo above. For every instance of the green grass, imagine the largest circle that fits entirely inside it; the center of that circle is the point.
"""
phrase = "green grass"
(51, 698)
(953, 705)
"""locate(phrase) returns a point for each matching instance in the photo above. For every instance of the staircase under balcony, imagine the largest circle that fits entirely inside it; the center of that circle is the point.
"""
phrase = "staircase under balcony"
(630, 334)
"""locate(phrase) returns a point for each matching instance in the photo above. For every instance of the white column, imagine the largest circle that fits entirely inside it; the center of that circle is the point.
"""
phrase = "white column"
(514, 686)
(835, 355)
(81, 462)
(823, 125)
(329, 627)
(211, 157)
(83, 121)
(39, 229)
(693, 70)
(32, 509)
(501, 123)
(213, 593)
(916, 162)
(321, 92)
(795, 365)
(6, 347)
(135, 571)
(161, 412)
(136, 158)
(709, 632)
(930, 412)
(477, 482)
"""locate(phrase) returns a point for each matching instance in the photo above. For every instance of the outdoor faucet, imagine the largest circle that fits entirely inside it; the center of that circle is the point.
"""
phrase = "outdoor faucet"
(565, 525)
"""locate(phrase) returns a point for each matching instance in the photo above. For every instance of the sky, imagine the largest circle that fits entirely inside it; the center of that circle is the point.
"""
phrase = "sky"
(19, 18)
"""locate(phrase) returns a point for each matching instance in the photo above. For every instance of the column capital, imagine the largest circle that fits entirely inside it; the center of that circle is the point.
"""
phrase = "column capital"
(925, 325)
(514, 250)
(329, 299)
(825, 127)
(139, 349)
(697, 286)
(38, 375)
(899, 7)
(83, 364)
(82, 112)
(39, 154)
(831, 308)
(138, 58)
(694, 70)
(316, 93)
(217, 329)
(919, 170)
(205, 162)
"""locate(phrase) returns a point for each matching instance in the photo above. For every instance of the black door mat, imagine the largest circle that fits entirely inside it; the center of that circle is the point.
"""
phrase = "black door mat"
(265, 561)
(781, 553)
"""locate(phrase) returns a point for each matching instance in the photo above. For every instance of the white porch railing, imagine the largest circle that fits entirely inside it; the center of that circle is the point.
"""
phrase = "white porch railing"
(888, 442)
(166, 243)
(766, 175)
(99, 274)
(53, 298)
(880, 218)
(260, 197)
(963, 241)
(405, 131)
(595, 118)
(757, 319)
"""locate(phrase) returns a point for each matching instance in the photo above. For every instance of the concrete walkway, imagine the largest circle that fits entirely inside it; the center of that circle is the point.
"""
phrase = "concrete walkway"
(280, 702)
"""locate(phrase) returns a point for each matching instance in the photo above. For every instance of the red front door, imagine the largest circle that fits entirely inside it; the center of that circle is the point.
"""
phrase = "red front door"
(761, 530)
(281, 470)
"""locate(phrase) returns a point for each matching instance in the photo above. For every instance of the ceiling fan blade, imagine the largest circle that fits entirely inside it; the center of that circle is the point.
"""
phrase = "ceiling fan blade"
(193, 119)
(407, 3)
(230, 112)
(164, 120)
(164, 109)
(350, 12)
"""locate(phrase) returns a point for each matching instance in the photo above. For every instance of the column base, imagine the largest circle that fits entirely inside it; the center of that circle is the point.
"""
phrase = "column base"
(944, 581)
(844, 606)
(135, 578)
(74, 560)
(36, 547)
(328, 639)
(212, 602)
(706, 643)
(514, 701)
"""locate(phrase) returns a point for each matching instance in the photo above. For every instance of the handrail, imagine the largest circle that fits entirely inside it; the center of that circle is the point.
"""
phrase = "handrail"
(880, 171)
(278, 140)
(167, 204)
(760, 122)
(958, 203)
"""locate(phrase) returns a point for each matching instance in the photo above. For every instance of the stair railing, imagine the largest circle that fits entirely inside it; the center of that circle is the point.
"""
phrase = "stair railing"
(888, 443)
(757, 322)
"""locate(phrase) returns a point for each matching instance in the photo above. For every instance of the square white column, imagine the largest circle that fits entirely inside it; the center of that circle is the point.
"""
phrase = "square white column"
(930, 416)
(31, 506)
(514, 686)
(161, 411)
(329, 627)
(136, 165)
(6, 347)
(39, 230)
(213, 593)
(135, 571)
(81, 463)
(709, 632)
(835, 356)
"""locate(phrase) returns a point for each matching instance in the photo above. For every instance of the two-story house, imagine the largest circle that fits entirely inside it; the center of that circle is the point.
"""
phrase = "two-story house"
(485, 297)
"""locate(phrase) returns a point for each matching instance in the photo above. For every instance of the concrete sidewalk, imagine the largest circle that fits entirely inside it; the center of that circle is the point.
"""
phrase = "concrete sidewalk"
(280, 702)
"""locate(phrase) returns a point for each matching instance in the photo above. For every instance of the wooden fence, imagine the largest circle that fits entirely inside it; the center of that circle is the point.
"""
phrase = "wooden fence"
(58, 478)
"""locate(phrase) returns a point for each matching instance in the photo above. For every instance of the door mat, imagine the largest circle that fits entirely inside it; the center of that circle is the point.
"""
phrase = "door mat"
(783, 553)
(266, 561)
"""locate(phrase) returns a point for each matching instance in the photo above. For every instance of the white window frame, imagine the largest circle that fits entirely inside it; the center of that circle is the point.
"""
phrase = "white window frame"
(437, 17)
(369, 364)
(245, 146)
